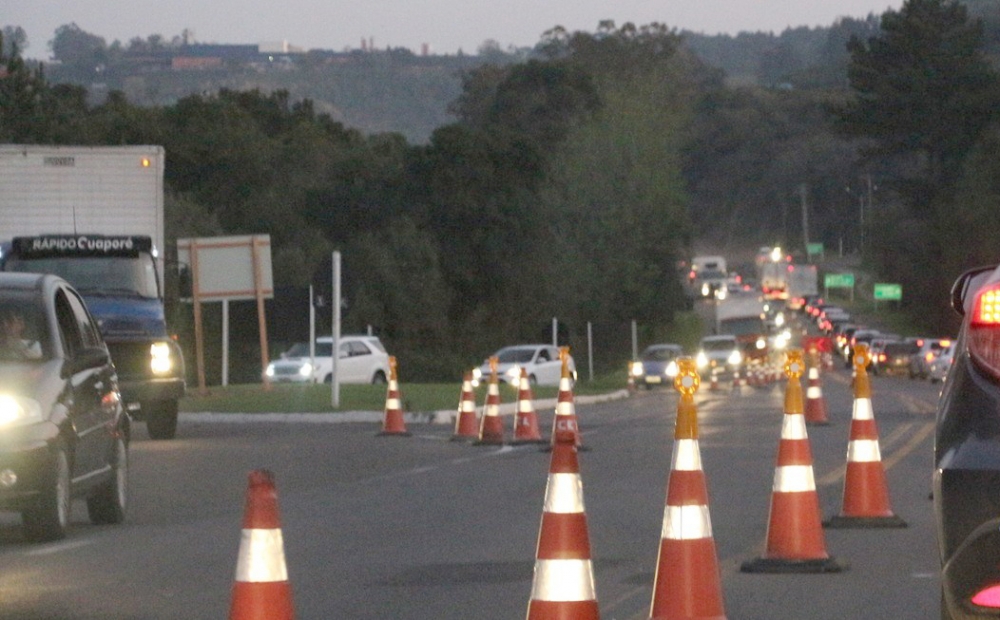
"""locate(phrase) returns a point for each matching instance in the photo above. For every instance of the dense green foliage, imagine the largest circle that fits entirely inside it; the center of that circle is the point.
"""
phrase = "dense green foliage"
(570, 183)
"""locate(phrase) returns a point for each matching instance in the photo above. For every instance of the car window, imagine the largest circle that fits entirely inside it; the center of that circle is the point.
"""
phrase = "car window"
(359, 348)
(89, 335)
(22, 331)
(515, 356)
(69, 328)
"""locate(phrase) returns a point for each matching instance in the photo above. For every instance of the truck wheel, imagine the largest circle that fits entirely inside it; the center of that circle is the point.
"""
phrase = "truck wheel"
(108, 503)
(48, 519)
(161, 418)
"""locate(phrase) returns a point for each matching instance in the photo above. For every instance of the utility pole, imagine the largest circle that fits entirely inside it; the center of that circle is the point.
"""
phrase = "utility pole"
(803, 189)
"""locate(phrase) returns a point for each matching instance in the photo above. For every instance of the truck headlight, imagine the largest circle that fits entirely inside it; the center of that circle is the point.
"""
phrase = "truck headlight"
(761, 344)
(161, 360)
(705, 289)
(735, 358)
(16, 411)
(701, 360)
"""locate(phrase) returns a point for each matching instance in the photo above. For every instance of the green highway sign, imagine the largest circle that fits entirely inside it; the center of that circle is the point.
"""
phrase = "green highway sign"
(814, 248)
(892, 292)
(839, 280)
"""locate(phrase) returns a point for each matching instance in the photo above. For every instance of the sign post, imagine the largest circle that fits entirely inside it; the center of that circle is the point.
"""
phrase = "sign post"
(222, 269)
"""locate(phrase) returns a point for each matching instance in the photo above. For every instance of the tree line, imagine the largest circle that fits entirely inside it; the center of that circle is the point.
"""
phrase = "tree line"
(573, 182)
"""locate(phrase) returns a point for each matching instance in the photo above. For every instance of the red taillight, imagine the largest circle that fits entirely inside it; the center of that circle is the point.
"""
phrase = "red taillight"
(986, 310)
(988, 597)
(984, 329)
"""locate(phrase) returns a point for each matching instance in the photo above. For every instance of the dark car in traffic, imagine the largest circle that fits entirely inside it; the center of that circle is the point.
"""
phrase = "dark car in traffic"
(966, 476)
(657, 365)
(63, 431)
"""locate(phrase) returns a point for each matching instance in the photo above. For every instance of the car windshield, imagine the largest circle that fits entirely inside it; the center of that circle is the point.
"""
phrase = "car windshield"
(22, 331)
(718, 345)
(301, 349)
(742, 326)
(515, 356)
(660, 354)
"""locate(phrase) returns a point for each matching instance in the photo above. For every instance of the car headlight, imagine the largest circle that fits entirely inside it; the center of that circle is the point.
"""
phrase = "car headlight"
(672, 369)
(761, 344)
(705, 289)
(636, 369)
(18, 411)
(269, 371)
(161, 361)
(701, 360)
(306, 370)
(735, 358)
(477, 375)
(779, 319)
(513, 374)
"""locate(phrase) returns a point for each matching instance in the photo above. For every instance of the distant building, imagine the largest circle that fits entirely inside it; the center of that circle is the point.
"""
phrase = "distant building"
(187, 63)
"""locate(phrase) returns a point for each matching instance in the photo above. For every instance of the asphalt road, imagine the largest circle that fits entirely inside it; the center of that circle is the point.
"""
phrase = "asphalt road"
(422, 527)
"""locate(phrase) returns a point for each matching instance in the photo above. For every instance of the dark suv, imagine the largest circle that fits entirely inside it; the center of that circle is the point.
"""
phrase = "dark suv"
(966, 477)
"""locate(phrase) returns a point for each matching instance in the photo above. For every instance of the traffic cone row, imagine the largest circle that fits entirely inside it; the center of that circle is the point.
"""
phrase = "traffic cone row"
(563, 582)
(866, 494)
(795, 540)
(261, 590)
(466, 423)
(491, 424)
(687, 582)
(393, 422)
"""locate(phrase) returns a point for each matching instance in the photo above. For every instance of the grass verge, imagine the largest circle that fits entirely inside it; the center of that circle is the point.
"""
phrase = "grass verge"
(416, 397)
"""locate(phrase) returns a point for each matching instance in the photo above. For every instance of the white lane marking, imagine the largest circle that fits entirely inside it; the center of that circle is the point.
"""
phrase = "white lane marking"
(59, 548)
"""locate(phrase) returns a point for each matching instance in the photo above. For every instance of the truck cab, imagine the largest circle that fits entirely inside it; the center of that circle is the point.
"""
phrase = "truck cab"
(119, 280)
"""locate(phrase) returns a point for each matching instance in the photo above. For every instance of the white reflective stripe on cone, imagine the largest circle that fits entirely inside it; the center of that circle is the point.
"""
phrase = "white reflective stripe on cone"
(564, 494)
(813, 392)
(563, 581)
(261, 557)
(863, 409)
(687, 456)
(863, 451)
(793, 426)
(392, 404)
(686, 523)
(794, 479)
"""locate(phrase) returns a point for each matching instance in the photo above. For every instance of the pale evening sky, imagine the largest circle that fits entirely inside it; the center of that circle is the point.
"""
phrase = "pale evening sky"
(445, 25)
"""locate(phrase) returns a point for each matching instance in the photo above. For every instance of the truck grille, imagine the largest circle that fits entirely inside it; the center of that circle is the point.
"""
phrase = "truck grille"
(131, 359)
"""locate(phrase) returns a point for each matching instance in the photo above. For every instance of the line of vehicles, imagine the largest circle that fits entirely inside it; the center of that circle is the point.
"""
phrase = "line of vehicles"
(916, 357)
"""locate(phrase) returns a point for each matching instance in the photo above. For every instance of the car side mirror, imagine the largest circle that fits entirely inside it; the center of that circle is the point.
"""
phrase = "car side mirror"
(89, 357)
(968, 281)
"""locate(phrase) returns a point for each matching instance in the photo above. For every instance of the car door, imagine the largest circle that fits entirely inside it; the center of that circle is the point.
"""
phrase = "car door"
(92, 421)
(548, 367)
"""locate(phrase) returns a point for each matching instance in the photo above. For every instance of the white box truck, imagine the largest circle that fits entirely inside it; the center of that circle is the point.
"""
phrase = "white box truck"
(94, 216)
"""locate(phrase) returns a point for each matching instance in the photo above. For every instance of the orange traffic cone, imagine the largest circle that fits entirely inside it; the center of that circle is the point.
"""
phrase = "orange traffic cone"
(261, 590)
(490, 424)
(392, 422)
(466, 425)
(795, 541)
(815, 403)
(866, 495)
(688, 584)
(563, 583)
(565, 408)
(526, 420)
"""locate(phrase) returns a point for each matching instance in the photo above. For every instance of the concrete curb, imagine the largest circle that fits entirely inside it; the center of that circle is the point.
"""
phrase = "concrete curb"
(445, 416)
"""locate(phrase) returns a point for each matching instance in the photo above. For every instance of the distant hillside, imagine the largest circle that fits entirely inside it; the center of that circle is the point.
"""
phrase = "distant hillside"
(397, 91)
